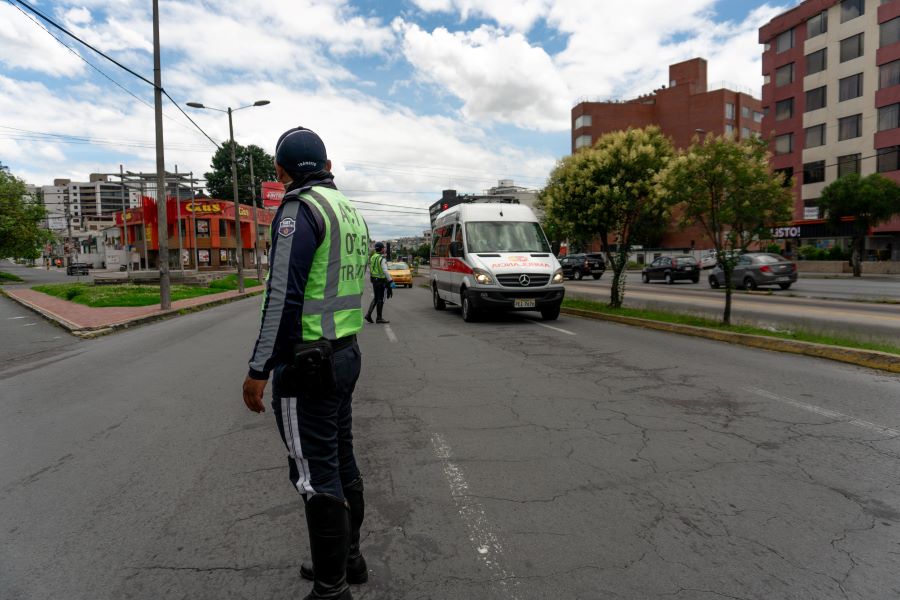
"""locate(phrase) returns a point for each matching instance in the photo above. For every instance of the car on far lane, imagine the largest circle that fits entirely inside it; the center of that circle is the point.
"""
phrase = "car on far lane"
(672, 268)
(578, 266)
(756, 269)
(77, 268)
(400, 273)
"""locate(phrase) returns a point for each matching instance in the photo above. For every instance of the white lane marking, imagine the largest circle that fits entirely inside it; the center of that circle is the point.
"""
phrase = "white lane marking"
(485, 542)
(29, 324)
(825, 412)
(390, 334)
(553, 328)
(13, 318)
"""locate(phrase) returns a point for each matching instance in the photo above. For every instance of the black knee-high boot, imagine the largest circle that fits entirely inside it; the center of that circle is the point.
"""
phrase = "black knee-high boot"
(328, 521)
(357, 570)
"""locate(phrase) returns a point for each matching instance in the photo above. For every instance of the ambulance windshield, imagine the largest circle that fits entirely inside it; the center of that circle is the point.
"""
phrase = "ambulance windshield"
(505, 236)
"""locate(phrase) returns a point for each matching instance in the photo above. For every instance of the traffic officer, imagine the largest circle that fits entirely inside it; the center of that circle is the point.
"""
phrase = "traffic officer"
(307, 338)
(382, 283)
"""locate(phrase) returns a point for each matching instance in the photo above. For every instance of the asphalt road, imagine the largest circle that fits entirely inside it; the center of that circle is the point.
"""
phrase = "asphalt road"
(507, 459)
(818, 305)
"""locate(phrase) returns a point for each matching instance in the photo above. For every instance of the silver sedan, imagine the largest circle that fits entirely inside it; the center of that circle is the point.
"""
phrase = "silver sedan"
(756, 269)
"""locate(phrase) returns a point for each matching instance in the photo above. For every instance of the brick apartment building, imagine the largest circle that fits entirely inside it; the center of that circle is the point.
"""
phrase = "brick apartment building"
(832, 106)
(684, 108)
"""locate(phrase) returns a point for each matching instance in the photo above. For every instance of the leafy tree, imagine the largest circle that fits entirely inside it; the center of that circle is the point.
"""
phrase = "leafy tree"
(608, 191)
(726, 187)
(218, 181)
(869, 201)
(21, 216)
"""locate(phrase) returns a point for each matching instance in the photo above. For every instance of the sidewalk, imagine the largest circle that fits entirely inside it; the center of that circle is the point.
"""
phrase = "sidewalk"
(85, 321)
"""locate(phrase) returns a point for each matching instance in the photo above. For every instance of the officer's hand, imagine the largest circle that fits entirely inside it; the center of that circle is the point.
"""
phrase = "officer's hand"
(393, 285)
(389, 292)
(253, 394)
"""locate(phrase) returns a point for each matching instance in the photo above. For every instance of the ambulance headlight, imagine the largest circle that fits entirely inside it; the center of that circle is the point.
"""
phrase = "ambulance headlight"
(482, 277)
(558, 276)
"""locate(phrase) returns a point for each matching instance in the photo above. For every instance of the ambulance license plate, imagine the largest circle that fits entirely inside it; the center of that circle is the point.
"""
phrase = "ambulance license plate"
(523, 303)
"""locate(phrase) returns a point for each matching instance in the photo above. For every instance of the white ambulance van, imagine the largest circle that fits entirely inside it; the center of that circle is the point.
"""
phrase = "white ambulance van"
(487, 256)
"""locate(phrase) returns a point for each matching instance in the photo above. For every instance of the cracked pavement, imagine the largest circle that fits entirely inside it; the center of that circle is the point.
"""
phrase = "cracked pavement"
(618, 463)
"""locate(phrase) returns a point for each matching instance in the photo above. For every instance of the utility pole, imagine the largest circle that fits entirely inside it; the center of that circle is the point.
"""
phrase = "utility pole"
(144, 226)
(125, 224)
(178, 220)
(255, 223)
(238, 250)
(193, 222)
(67, 246)
(165, 301)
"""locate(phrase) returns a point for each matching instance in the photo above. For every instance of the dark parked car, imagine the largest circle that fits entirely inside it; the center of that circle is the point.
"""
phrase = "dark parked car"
(672, 268)
(78, 269)
(756, 269)
(578, 266)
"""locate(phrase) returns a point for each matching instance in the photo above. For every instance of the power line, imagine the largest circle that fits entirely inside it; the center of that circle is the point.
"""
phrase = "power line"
(114, 61)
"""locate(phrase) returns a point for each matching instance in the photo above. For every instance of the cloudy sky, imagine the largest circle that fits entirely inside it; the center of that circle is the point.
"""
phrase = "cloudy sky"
(410, 96)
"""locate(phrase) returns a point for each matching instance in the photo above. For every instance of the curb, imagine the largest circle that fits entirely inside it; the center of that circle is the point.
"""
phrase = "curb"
(871, 359)
(101, 330)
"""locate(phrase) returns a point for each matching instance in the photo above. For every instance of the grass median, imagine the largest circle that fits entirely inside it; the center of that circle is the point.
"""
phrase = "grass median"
(9, 278)
(695, 321)
(104, 296)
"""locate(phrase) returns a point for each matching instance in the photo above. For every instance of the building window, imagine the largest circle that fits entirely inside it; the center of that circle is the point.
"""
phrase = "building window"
(729, 130)
(814, 172)
(582, 140)
(784, 109)
(745, 133)
(851, 47)
(889, 33)
(788, 173)
(583, 121)
(745, 112)
(850, 9)
(757, 117)
(811, 209)
(850, 87)
(784, 75)
(848, 164)
(849, 127)
(223, 228)
(814, 136)
(815, 99)
(784, 144)
(784, 41)
(202, 228)
(817, 25)
(888, 159)
(889, 74)
(816, 61)
(729, 110)
(889, 117)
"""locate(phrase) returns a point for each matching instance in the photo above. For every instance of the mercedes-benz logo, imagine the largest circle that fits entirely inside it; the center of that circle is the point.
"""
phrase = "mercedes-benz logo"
(524, 280)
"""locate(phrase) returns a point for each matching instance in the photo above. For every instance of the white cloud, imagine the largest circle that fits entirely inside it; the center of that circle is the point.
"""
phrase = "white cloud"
(519, 15)
(497, 76)
(25, 45)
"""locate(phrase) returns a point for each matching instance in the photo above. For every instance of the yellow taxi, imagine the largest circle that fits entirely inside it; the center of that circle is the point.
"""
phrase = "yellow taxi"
(400, 273)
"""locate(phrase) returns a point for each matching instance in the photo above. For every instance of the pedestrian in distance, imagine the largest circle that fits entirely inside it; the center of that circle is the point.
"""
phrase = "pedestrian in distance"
(307, 340)
(382, 284)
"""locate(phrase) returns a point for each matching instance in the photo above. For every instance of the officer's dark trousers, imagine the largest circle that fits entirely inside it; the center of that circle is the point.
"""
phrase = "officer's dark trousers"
(379, 287)
(317, 431)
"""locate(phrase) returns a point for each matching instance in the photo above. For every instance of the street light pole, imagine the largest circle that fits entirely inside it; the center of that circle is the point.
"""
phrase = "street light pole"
(165, 301)
(238, 249)
(255, 223)
(234, 185)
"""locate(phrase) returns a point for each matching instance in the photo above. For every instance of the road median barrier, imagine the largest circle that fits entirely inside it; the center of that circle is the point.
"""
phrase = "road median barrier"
(873, 359)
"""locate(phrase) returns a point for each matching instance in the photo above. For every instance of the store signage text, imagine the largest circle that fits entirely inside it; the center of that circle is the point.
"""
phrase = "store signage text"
(780, 233)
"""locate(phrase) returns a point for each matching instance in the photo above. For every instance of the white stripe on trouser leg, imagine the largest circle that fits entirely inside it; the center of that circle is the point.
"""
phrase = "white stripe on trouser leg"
(292, 435)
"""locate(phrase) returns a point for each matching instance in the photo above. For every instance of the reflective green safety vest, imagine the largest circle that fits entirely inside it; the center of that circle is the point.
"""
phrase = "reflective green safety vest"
(331, 305)
(375, 266)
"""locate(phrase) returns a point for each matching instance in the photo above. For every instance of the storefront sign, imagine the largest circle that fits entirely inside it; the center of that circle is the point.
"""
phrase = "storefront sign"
(780, 233)
(203, 256)
(272, 193)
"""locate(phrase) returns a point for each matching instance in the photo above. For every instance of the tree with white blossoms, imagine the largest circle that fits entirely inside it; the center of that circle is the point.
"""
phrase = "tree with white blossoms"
(608, 191)
(727, 187)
